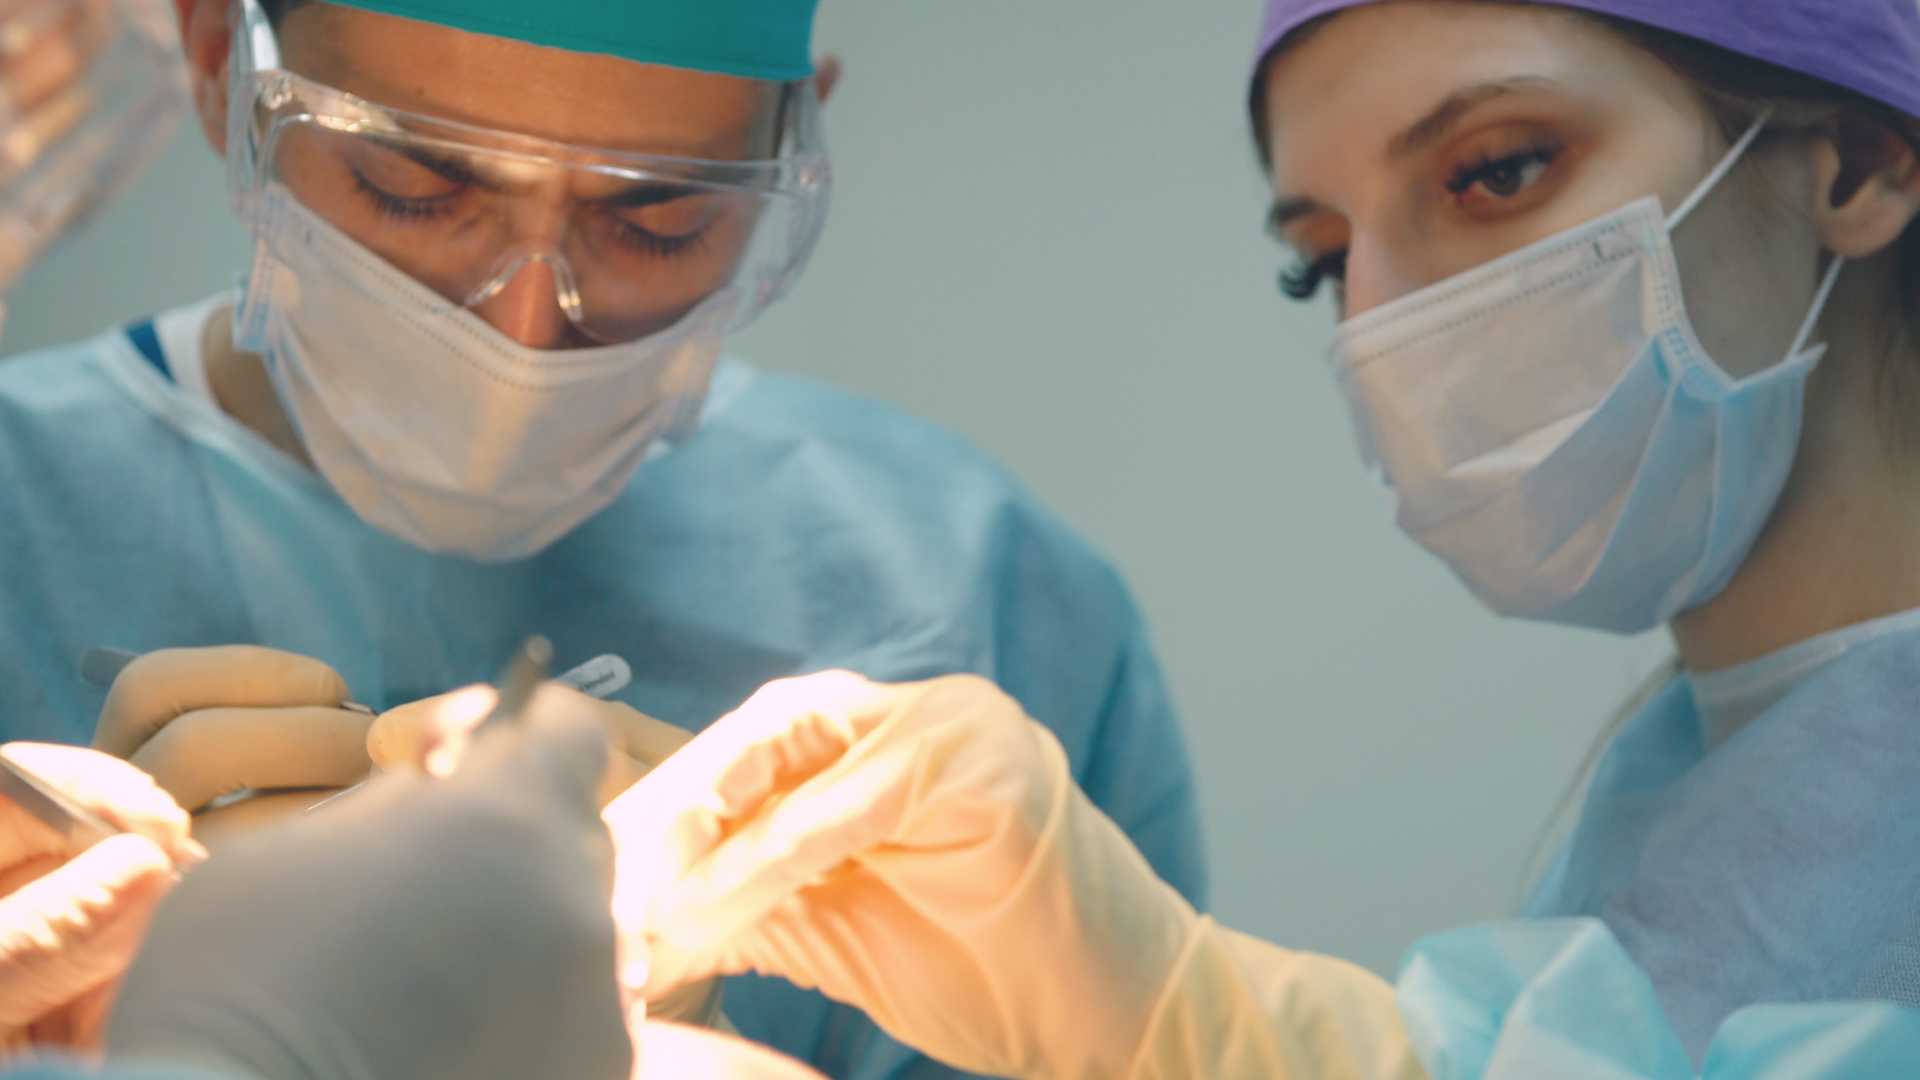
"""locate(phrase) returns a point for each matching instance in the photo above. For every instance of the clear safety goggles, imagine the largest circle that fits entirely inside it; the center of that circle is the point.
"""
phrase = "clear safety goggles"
(90, 93)
(631, 242)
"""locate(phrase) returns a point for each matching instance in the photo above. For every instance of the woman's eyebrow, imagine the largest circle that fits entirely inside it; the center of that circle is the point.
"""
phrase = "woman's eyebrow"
(1287, 211)
(1458, 104)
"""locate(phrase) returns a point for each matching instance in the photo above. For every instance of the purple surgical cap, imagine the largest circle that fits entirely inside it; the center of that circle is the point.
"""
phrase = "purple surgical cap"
(1868, 46)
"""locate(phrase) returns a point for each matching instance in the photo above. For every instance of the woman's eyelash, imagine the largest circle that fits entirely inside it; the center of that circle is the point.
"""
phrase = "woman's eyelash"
(1301, 280)
(1490, 169)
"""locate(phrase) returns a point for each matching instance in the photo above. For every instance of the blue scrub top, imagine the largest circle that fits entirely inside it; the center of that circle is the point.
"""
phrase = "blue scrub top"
(1781, 865)
(802, 528)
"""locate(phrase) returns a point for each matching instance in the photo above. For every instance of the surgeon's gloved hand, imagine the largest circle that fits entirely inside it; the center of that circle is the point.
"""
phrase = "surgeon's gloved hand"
(921, 852)
(426, 929)
(432, 734)
(639, 742)
(71, 921)
(208, 723)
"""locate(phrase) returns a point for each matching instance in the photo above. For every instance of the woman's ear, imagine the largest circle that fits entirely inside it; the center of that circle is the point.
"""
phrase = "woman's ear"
(206, 34)
(1866, 187)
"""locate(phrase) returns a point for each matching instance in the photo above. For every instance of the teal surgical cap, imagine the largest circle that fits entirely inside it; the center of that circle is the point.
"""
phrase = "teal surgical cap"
(759, 39)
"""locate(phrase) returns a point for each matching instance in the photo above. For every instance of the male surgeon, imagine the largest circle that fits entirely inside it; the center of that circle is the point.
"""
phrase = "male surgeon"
(472, 387)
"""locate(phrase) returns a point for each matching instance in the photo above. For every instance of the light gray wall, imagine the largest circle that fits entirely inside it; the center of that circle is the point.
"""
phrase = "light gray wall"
(1047, 236)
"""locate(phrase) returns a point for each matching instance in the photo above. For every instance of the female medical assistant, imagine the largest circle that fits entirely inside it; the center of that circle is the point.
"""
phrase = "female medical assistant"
(1628, 339)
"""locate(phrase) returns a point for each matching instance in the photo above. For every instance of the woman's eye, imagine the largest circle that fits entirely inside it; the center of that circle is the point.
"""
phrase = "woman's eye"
(1302, 280)
(1503, 177)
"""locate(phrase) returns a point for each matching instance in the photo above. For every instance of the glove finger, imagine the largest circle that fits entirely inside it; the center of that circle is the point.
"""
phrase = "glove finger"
(404, 737)
(168, 683)
(79, 926)
(775, 854)
(623, 771)
(785, 733)
(742, 766)
(955, 768)
(211, 752)
(114, 789)
(556, 753)
(640, 736)
(214, 827)
(432, 734)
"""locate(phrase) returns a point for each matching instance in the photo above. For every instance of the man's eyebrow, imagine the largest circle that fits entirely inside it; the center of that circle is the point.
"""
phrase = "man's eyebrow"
(1458, 104)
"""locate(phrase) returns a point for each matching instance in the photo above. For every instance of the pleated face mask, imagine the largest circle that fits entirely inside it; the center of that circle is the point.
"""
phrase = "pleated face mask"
(1550, 426)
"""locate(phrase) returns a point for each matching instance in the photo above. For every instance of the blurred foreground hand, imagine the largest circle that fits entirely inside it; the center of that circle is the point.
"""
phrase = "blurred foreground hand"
(429, 928)
(71, 921)
(432, 735)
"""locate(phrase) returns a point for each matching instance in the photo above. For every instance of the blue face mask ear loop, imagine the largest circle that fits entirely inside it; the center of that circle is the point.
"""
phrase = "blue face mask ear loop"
(1712, 181)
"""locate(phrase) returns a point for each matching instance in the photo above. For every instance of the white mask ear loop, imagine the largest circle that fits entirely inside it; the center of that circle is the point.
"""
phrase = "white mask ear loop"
(1712, 181)
(1719, 172)
(1819, 306)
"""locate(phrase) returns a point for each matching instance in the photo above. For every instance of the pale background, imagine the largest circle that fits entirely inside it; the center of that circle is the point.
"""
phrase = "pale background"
(1047, 236)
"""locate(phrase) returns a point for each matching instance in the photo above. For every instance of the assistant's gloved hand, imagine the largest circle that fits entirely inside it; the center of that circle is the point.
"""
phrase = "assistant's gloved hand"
(70, 922)
(639, 741)
(407, 736)
(209, 722)
(922, 852)
(424, 929)
(919, 851)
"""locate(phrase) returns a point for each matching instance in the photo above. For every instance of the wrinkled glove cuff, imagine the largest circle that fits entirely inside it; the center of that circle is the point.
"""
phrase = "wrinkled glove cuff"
(1237, 1008)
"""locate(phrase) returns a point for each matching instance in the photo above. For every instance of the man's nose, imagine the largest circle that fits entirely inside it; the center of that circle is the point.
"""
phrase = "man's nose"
(526, 306)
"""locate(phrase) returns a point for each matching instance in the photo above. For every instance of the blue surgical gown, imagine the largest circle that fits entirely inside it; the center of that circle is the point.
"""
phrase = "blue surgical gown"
(1752, 837)
(801, 528)
(1560, 998)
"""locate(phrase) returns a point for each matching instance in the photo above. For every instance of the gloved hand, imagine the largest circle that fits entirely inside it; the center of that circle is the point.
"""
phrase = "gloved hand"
(407, 736)
(423, 929)
(209, 722)
(921, 852)
(639, 741)
(70, 922)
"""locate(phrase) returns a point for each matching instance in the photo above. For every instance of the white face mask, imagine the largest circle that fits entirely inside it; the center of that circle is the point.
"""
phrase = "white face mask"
(1550, 426)
(435, 427)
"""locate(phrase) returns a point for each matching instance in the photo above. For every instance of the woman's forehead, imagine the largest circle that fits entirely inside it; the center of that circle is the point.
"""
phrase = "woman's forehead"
(1372, 80)
(582, 98)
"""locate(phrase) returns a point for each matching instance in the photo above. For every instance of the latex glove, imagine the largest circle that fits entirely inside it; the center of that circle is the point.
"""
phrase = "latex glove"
(674, 1052)
(1239, 1008)
(209, 722)
(423, 929)
(71, 921)
(429, 735)
(639, 742)
(922, 852)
